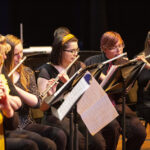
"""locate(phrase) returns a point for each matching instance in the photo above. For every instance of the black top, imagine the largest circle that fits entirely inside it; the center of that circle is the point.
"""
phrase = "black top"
(48, 71)
(10, 84)
(10, 123)
(144, 88)
(97, 59)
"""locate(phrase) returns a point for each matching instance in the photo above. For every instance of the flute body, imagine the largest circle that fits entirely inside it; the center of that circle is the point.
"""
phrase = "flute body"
(16, 67)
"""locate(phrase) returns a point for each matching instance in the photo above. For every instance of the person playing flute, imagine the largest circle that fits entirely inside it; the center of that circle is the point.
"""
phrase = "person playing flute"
(112, 45)
(143, 92)
(46, 137)
(9, 101)
(65, 50)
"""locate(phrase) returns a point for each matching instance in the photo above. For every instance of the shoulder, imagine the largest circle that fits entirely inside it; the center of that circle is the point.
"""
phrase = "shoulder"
(28, 69)
(94, 59)
(47, 66)
(45, 71)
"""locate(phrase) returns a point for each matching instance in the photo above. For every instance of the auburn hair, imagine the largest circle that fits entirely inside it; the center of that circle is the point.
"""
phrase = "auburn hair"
(9, 62)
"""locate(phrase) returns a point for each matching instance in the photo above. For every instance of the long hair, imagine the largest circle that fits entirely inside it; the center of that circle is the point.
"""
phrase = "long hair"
(60, 43)
(146, 50)
(147, 45)
(109, 40)
(9, 62)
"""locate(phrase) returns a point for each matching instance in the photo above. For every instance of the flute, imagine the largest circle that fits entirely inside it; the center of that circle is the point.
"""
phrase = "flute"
(15, 68)
(43, 95)
(107, 61)
(135, 59)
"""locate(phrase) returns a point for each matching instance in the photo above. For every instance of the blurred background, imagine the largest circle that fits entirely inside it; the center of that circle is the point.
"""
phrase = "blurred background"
(87, 19)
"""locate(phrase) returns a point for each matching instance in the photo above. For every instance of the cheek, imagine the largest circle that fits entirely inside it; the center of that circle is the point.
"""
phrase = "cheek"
(15, 58)
(112, 54)
(21, 55)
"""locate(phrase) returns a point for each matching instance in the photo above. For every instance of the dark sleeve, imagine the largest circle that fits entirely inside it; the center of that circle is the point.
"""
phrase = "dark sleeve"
(48, 71)
(93, 60)
(44, 73)
(11, 123)
(13, 91)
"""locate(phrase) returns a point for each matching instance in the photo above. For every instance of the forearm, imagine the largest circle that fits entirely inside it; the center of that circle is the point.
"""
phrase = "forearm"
(15, 102)
(42, 84)
(148, 65)
(27, 98)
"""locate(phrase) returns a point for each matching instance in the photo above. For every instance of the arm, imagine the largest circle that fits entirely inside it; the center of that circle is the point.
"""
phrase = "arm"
(8, 103)
(30, 97)
(42, 85)
(15, 102)
(142, 57)
(27, 97)
(45, 79)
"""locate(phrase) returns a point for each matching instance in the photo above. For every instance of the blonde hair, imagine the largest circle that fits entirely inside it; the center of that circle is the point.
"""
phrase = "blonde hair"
(4, 48)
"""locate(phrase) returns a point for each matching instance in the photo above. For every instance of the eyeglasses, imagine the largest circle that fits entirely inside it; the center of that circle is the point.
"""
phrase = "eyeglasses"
(117, 47)
(73, 51)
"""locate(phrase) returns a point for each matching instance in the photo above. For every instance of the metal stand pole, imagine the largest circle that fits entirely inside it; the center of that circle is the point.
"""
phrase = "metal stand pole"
(76, 145)
(123, 124)
(124, 118)
(86, 139)
(71, 131)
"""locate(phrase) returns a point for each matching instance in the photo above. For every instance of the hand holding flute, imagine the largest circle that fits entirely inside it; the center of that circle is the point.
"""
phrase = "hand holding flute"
(52, 83)
(143, 58)
(63, 77)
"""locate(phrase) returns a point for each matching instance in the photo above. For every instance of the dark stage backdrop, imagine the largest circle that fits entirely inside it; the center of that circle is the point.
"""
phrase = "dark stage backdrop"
(87, 19)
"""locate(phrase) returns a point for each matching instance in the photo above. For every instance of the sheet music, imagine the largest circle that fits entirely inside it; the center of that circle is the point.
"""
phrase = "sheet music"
(73, 96)
(109, 74)
(95, 108)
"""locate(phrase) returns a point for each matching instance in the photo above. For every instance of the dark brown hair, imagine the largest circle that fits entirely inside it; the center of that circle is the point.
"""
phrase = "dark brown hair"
(58, 47)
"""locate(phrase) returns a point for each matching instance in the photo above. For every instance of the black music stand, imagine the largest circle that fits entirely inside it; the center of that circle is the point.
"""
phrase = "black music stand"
(119, 82)
(67, 87)
(95, 70)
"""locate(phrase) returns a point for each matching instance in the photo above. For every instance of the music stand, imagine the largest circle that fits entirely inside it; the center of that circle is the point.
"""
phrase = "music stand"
(70, 104)
(119, 82)
(95, 70)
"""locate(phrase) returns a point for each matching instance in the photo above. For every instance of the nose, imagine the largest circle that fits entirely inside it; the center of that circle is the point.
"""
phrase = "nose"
(20, 56)
(75, 53)
(5, 57)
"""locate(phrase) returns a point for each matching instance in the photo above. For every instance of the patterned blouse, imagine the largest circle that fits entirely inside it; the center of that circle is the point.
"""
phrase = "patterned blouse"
(24, 112)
